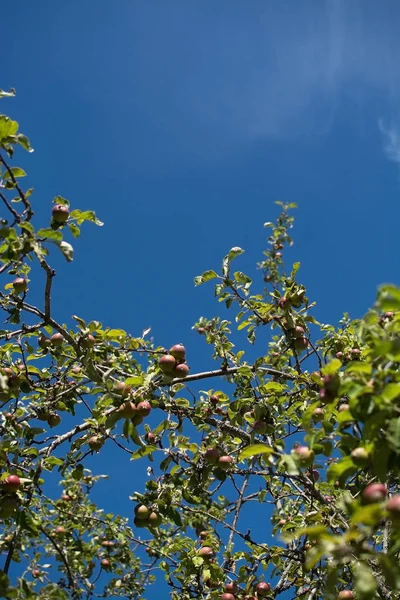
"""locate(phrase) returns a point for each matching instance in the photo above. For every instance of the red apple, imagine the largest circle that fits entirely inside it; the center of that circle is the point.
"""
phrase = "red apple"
(301, 343)
(181, 371)
(127, 409)
(206, 552)
(60, 531)
(105, 564)
(298, 331)
(36, 573)
(67, 498)
(283, 302)
(12, 483)
(57, 339)
(19, 284)
(122, 389)
(167, 363)
(201, 330)
(345, 595)
(44, 342)
(318, 414)
(60, 213)
(214, 400)
(231, 586)
(227, 596)
(344, 407)
(144, 408)
(374, 492)
(262, 588)
(88, 341)
(393, 507)
(178, 351)
(150, 437)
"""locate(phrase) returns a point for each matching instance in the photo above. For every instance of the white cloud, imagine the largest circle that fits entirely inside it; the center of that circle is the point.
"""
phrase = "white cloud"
(391, 136)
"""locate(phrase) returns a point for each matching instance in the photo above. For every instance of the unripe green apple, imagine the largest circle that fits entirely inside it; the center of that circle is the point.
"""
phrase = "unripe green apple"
(60, 213)
(122, 389)
(54, 419)
(20, 285)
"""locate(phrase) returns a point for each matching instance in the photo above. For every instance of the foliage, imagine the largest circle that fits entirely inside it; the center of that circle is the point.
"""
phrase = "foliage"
(265, 477)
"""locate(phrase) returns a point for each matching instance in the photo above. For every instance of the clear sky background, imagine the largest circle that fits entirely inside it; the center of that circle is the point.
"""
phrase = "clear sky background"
(180, 122)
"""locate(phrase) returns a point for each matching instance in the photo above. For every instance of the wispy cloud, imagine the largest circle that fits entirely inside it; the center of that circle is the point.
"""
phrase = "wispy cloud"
(391, 137)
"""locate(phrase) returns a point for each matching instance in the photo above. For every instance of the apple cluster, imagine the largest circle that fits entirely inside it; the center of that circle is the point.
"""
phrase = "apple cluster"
(145, 517)
(174, 364)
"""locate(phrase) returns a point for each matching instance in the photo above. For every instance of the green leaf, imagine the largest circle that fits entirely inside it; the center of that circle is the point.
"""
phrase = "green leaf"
(365, 582)
(50, 234)
(66, 249)
(341, 470)
(144, 451)
(255, 450)
(14, 172)
(296, 267)
(389, 298)
(23, 141)
(74, 229)
(7, 127)
(233, 253)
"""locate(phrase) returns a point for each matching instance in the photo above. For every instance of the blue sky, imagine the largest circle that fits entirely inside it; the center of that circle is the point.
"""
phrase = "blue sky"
(180, 123)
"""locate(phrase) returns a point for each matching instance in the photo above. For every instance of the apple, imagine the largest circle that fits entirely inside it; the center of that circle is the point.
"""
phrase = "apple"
(57, 339)
(20, 285)
(214, 400)
(88, 341)
(206, 552)
(318, 414)
(12, 483)
(67, 498)
(212, 455)
(201, 330)
(54, 419)
(360, 456)
(345, 595)
(154, 519)
(331, 383)
(60, 213)
(140, 522)
(95, 443)
(225, 462)
(105, 564)
(282, 522)
(122, 389)
(150, 437)
(127, 409)
(231, 586)
(60, 531)
(227, 596)
(260, 427)
(262, 589)
(355, 352)
(298, 331)
(393, 507)
(141, 511)
(374, 492)
(278, 254)
(283, 302)
(167, 363)
(36, 573)
(202, 534)
(344, 407)
(181, 371)
(301, 343)
(178, 351)
(144, 408)
(305, 455)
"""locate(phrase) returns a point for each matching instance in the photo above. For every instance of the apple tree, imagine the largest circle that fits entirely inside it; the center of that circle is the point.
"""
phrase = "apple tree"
(274, 475)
